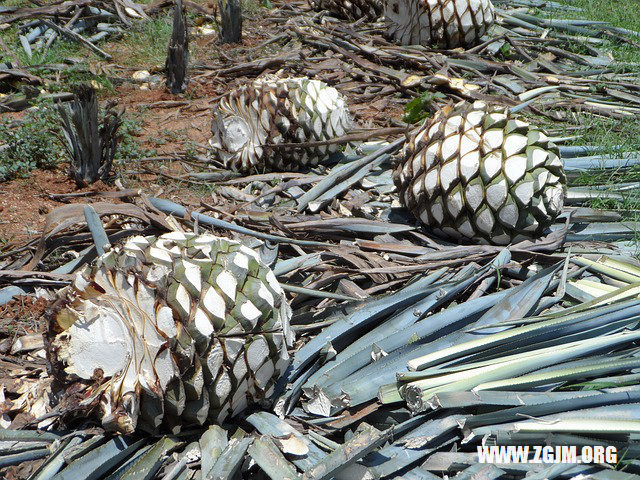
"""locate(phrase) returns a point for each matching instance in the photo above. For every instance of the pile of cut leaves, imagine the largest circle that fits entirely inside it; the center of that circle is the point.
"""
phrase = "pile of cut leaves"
(402, 368)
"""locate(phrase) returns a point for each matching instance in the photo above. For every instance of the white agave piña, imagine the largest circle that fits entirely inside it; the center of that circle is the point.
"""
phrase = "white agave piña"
(161, 332)
(443, 23)
(475, 172)
(351, 9)
(251, 121)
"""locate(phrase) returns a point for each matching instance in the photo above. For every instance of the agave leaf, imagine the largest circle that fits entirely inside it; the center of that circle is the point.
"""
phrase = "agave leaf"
(607, 269)
(602, 232)
(283, 267)
(122, 469)
(593, 289)
(268, 424)
(570, 347)
(151, 461)
(484, 471)
(601, 162)
(519, 302)
(502, 375)
(212, 444)
(94, 464)
(351, 225)
(341, 172)
(7, 435)
(365, 313)
(55, 462)
(468, 398)
(530, 94)
(629, 381)
(428, 437)
(358, 354)
(418, 473)
(323, 441)
(578, 293)
(572, 151)
(231, 458)
(317, 293)
(451, 462)
(337, 190)
(18, 458)
(17, 447)
(588, 425)
(384, 337)
(554, 327)
(271, 460)
(83, 448)
(7, 293)
(551, 407)
(171, 208)
(622, 266)
(362, 385)
(362, 443)
(561, 375)
(94, 223)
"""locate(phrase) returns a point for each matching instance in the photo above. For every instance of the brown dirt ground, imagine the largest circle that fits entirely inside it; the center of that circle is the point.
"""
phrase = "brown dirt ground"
(23, 315)
(24, 202)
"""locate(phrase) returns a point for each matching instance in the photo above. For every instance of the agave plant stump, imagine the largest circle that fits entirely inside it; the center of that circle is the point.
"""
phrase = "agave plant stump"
(178, 52)
(230, 21)
(91, 143)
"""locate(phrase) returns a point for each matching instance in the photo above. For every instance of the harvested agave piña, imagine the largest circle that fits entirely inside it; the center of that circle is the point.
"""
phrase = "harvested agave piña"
(440, 23)
(351, 9)
(167, 331)
(475, 172)
(275, 111)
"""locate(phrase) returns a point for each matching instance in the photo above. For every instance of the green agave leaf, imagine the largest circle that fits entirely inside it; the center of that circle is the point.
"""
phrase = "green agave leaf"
(561, 375)
(99, 461)
(55, 462)
(362, 443)
(271, 460)
(145, 467)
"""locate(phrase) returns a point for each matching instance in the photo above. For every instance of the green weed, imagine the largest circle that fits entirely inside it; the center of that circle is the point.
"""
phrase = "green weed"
(31, 144)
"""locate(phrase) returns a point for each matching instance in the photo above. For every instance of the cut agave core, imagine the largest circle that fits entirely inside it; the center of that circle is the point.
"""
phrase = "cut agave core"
(168, 331)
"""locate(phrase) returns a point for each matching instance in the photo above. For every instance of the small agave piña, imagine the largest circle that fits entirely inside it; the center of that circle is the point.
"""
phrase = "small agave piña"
(351, 9)
(440, 23)
(251, 121)
(474, 172)
(164, 332)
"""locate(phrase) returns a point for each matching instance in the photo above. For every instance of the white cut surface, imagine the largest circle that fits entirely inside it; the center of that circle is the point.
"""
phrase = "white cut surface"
(166, 324)
(214, 303)
(202, 322)
(100, 341)
(250, 312)
(273, 282)
(227, 283)
(265, 294)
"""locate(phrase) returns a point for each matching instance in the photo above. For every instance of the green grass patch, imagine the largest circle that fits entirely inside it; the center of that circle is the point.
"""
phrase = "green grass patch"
(619, 14)
(613, 136)
(145, 43)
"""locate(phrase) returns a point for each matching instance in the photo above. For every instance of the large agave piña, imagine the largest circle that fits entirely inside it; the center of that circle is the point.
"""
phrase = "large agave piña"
(172, 330)
(443, 23)
(275, 111)
(351, 9)
(475, 172)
